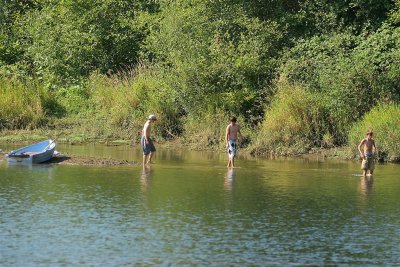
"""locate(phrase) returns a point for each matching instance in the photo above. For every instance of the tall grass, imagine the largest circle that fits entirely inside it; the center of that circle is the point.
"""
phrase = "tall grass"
(103, 106)
(109, 111)
(384, 121)
(157, 94)
(293, 123)
(21, 104)
(205, 130)
(118, 105)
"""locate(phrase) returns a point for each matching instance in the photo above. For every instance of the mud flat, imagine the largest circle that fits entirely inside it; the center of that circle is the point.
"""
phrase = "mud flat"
(83, 161)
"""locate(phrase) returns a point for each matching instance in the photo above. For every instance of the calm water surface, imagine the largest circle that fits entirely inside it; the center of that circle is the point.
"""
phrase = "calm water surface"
(188, 209)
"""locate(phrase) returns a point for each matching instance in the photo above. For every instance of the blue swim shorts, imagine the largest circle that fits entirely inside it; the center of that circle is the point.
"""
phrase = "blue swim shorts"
(147, 148)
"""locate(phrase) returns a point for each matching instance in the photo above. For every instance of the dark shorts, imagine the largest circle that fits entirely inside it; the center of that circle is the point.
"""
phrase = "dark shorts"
(147, 148)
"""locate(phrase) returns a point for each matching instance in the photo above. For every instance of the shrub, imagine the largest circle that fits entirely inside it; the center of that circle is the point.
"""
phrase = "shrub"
(74, 99)
(384, 121)
(112, 103)
(67, 40)
(207, 130)
(118, 105)
(21, 105)
(293, 123)
(353, 73)
(214, 58)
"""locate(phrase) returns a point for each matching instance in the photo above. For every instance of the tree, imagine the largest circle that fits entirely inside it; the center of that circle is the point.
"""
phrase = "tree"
(67, 40)
(216, 55)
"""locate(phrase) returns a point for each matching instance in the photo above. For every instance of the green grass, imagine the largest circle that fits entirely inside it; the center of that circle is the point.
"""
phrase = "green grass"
(384, 121)
(292, 124)
(21, 105)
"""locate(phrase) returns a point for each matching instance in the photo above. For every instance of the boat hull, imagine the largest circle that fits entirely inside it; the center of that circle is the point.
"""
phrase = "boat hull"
(33, 154)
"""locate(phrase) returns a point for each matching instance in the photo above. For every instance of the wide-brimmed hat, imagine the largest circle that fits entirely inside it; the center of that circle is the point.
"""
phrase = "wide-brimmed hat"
(152, 117)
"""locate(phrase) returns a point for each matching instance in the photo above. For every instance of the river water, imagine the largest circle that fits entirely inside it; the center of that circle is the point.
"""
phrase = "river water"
(188, 209)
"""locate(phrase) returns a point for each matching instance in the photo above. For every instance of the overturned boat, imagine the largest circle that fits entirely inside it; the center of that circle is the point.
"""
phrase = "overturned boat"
(36, 153)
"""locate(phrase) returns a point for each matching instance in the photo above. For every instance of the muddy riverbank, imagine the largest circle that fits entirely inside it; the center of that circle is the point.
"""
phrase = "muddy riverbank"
(82, 160)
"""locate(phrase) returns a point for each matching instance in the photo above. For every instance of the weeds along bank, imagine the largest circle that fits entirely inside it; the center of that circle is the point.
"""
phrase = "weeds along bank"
(384, 120)
(298, 121)
(22, 106)
(111, 108)
(299, 76)
(107, 108)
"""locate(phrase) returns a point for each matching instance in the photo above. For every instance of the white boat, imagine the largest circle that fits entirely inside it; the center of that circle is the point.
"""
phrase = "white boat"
(36, 153)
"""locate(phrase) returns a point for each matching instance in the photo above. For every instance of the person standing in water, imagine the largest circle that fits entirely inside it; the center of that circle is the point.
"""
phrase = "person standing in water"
(231, 136)
(367, 149)
(146, 141)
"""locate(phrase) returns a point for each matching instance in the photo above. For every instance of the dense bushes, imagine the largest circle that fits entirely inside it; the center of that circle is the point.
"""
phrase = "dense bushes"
(298, 74)
(64, 41)
(21, 106)
(352, 73)
(216, 59)
(293, 123)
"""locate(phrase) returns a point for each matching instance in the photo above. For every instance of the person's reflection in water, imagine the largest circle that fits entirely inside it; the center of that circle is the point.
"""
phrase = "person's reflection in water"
(366, 185)
(229, 179)
(145, 177)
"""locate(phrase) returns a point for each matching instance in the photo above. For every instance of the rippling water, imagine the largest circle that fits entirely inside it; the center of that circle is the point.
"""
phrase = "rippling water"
(188, 209)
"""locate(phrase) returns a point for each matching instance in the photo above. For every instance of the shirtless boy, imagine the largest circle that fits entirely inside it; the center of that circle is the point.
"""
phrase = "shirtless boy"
(369, 148)
(146, 142)
(231, 136)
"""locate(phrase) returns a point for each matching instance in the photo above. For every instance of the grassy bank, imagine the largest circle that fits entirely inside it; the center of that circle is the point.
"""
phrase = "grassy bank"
(112, 110)
(301, 77)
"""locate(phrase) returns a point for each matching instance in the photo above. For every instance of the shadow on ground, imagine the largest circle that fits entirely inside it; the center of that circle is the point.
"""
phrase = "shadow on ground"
(82, 160)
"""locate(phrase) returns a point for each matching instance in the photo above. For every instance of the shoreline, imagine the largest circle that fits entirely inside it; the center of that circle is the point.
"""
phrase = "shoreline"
(23, 137)
(63, 159)
(71, 159)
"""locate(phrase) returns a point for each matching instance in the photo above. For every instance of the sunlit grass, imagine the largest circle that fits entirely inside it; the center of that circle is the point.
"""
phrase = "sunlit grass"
(21, 105)
(384, 121)
(292, 123)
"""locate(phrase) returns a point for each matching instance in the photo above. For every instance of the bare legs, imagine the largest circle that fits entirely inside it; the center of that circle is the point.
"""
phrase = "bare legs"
(371, 172)
(150, 156)
(147, 158)
(231, 162)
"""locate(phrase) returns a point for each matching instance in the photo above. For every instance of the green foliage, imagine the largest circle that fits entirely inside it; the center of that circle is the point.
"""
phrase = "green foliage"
(221, 58)
(116, 106)
(101, 67)
(11, 15)
(73, 99)
(293, 123)
(360, 13)
(395, 14)
(21, 105)
(158, 97)
(67, 40)
(111, 106)
(384, 121)
(206, 131)
(352, 73)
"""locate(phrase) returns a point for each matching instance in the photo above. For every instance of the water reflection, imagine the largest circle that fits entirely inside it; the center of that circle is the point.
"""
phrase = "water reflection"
(188, 210)
(34, 169)
(229, 179)
(145, 177)
(366, 185)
